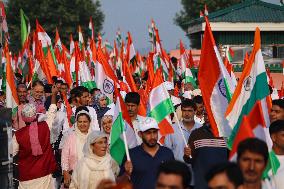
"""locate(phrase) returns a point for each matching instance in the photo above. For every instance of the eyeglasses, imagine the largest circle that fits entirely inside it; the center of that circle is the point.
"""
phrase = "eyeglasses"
(99, 143)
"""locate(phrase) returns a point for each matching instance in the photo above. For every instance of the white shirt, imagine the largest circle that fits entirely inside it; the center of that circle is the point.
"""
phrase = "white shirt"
(277, 181)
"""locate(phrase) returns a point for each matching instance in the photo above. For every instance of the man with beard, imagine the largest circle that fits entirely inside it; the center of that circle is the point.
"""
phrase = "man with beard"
(22, 92)
(252, 159)
(174, 141)
(146, 158)
(199, 118)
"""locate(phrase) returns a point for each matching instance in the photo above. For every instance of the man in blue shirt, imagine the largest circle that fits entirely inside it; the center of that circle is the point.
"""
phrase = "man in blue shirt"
(174, 141)
(146, 158)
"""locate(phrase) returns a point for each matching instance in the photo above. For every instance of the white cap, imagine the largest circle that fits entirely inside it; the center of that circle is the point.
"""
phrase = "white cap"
(196, 92)
(169, 85)
(110, 112)
(148, 123)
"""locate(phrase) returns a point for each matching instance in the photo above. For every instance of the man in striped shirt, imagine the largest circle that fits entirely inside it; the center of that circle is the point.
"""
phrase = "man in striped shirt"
(204, 151)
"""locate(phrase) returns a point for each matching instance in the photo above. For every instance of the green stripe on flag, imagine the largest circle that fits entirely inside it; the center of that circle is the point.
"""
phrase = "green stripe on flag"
(117, 147)
(14, 111)
(228, 92)
(189, 79)
(89, 84)
(162, 110)
(260, 91)
(53, 56)
(273, 165)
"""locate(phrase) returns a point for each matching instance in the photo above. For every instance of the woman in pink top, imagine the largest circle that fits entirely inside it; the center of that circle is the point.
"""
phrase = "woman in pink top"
(72, 150)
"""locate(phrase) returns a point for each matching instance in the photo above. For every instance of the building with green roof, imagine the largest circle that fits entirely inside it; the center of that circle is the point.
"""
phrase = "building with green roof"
(235, 25)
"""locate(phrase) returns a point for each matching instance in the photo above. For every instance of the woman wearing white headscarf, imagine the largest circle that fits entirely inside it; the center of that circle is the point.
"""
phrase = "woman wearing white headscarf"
(72, 150)
(106, 123)
(96, 164)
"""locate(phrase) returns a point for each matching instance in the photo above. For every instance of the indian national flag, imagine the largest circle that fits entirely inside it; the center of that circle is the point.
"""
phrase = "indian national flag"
(72, 45)
(91, 29)
(130, 49)
(85, 76)
(11, 93)
(104, 76)
(252, 90)
(183, 59)
(45, 41)
(215, 84)
(81, 39)
(189, 78)
(122, 135)
(118, 37)
(58, 43)
(160, 104)
(43, 37)
(117, 146)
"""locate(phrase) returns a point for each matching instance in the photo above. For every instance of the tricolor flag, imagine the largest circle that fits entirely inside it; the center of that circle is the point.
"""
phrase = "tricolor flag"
(81, 39)
(215, 84)
(249, 127)
(4, 21)
(160, 104)
(184, 64)
(251, 91)
(85, 78)
(104, 76)
(91, 29)
(45, 41)
(252, 87)
(58, 43)
(11, 93)
(118, 37)
(130, 49)
(43, 37)
(122, 135)
(72, 44)
(189, 78)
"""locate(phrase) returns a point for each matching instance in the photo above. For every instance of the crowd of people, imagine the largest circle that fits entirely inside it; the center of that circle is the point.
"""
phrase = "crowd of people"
(54, 151)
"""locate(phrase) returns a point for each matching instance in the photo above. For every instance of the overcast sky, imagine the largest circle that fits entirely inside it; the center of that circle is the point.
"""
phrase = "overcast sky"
(135, 16)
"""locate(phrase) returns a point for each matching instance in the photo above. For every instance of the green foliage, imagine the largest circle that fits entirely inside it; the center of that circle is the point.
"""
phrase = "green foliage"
(191, 9)
(66, 15)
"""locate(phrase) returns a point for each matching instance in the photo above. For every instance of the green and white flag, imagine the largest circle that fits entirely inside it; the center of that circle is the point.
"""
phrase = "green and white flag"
(117, 144)
(85, 77)
(188, 78)
(25, 30)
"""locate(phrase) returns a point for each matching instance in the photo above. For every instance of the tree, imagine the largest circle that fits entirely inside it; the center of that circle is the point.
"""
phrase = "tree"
(66, 15)
(192, 8)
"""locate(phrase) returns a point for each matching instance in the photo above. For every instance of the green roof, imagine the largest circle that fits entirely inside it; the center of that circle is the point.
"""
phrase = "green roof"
(247, 11)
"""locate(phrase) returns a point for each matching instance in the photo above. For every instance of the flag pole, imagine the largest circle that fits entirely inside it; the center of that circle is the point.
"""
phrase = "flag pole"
(175, 115)
(125, 144)
(179, 126)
